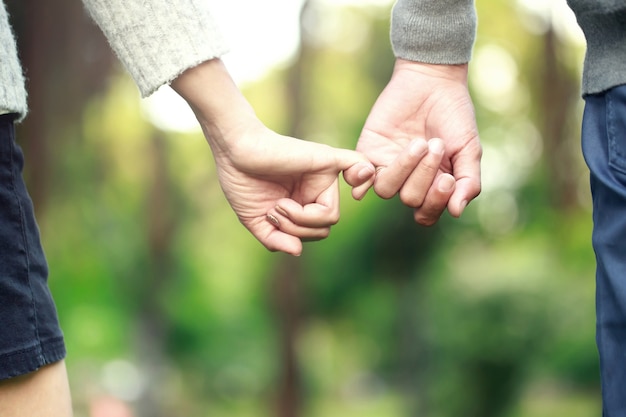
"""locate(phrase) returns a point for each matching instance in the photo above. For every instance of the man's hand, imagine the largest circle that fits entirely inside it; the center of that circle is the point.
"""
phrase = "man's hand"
(424, 102)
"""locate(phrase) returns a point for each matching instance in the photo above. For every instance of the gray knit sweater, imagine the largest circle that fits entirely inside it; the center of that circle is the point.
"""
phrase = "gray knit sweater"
(604, 25)
(157, 40)
(442, 32)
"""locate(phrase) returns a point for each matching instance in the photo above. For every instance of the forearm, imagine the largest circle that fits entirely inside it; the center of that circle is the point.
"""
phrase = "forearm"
(219, 105)
(157, 40)
(434, 31)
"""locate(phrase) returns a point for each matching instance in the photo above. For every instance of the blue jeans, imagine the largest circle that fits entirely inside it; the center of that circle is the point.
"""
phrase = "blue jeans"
(604, 148)
(30, 336)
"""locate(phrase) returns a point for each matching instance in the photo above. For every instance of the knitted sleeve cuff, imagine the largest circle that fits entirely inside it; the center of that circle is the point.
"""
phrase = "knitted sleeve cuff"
(434, 31)
(157, 40)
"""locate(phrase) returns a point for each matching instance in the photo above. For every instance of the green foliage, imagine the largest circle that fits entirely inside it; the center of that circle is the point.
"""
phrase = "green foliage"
(472, 317)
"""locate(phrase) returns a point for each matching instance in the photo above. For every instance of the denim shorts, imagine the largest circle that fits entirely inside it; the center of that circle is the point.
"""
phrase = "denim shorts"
(30, 335)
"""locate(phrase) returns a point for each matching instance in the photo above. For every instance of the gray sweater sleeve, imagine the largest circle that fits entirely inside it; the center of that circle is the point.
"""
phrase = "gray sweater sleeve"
(157, 40)
(604, 25)
(433, 31)
(12, 90)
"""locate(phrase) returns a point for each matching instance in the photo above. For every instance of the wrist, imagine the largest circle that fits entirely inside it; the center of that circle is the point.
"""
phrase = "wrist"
(219, 105)
(452, 72)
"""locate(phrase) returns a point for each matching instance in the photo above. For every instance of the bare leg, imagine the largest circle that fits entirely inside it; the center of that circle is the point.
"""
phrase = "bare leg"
(43, 393)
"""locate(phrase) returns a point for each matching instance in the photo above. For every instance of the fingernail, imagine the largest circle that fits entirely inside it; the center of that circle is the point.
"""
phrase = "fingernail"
(272, 219)
(446, 183)
(366, 172)
(435, 146)
(281, 211)
(417, 147)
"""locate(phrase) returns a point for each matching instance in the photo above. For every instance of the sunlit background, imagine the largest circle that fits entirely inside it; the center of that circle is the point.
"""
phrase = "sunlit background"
(170, 308)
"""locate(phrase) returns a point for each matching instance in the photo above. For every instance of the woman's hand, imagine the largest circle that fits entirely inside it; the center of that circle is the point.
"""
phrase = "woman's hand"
(283, 190)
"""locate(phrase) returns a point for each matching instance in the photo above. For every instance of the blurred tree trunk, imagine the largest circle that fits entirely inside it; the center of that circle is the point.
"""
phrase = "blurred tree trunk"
(287, 296)
(153, 326)
(559, 93)
(66, 61)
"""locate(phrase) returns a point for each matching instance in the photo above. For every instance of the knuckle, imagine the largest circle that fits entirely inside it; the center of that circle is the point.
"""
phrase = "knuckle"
(270, 247)
(386, 195)
(425, 219)
(384, 192)
(411, 198)
(477, 188)
(473, 188)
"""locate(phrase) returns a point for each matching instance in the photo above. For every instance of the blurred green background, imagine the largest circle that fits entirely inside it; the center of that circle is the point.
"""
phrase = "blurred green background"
(170, 308)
